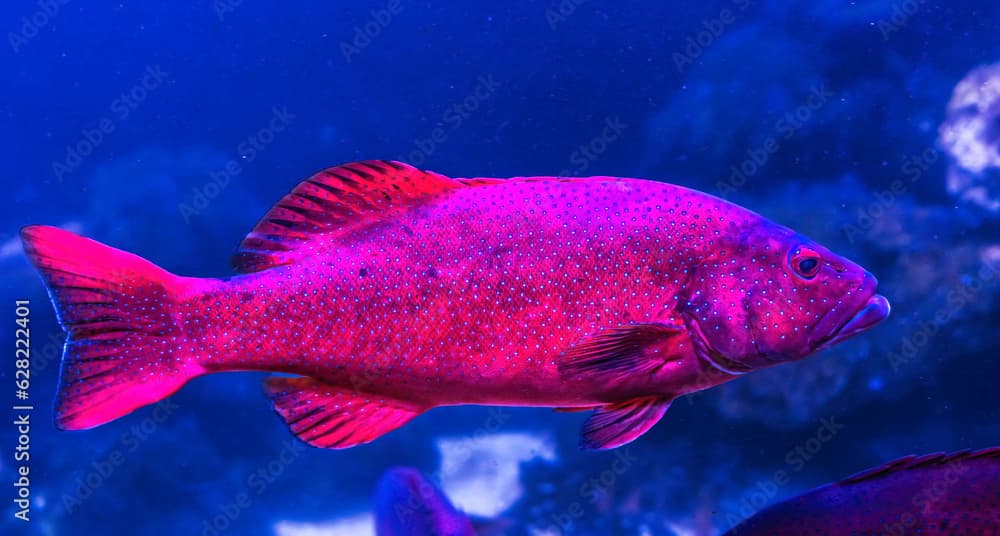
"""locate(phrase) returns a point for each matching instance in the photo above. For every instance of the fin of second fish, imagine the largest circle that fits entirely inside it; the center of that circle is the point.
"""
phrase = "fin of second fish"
(617, 424)
(329, 417)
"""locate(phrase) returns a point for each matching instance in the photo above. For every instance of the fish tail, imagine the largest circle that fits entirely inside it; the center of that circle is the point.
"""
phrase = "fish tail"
(122, 339)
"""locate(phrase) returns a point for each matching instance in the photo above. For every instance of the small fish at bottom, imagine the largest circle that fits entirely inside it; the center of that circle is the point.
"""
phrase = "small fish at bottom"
(933, 495)
(407, 504)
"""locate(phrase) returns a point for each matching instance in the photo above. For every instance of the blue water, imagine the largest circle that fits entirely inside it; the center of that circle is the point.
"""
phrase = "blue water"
(167, 130)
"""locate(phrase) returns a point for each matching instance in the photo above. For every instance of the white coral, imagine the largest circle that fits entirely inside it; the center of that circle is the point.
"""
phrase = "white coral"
(970, 135)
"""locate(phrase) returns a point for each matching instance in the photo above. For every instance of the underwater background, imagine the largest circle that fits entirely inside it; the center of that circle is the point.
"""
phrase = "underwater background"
(168, 130)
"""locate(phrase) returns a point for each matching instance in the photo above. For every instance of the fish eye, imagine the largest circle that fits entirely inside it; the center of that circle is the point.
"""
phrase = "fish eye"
(804, 262)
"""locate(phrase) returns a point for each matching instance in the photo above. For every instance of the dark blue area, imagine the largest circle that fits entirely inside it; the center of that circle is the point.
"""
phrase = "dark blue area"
(551, 78)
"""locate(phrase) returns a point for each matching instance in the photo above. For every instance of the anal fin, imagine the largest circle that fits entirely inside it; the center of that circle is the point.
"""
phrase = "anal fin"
(617, 424)
(329, 417)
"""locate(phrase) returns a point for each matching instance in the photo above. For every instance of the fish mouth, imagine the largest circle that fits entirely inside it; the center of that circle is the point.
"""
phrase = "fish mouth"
(873, 311)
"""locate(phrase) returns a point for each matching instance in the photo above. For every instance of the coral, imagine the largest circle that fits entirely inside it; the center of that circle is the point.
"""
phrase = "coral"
(970, 134)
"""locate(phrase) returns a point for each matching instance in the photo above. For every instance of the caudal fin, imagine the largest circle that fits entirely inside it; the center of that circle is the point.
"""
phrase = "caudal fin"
(117, 311)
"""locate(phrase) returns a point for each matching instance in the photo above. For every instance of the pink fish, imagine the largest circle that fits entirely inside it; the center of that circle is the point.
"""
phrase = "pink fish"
(936, 494)
(389, 291)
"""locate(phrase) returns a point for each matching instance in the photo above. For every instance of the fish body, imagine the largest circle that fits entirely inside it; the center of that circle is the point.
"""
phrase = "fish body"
(407, 504)
(937, 494)
(389, 291)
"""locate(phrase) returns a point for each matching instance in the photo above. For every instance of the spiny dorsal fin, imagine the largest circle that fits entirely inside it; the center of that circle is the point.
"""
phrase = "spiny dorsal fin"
(336, 198)
(910, 462)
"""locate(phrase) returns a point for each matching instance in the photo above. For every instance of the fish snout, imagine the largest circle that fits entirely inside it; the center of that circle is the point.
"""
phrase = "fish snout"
(859, 312)
(870, 282)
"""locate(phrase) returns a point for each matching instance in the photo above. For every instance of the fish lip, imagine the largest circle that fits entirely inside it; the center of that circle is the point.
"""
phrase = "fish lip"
(874, 310)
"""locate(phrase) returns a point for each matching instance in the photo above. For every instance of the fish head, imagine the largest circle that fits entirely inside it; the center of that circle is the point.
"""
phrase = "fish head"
(774, 295)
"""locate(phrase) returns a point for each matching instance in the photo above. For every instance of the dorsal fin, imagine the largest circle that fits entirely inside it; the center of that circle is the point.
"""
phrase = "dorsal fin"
(332, 199)
(907, 463)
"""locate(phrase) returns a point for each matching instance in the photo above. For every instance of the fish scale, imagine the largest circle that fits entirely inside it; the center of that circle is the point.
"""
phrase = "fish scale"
(389, 291)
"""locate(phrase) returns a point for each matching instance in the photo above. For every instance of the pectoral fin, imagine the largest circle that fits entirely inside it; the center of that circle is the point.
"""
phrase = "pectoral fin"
(329, 417)
(617, 424)
(623, 350)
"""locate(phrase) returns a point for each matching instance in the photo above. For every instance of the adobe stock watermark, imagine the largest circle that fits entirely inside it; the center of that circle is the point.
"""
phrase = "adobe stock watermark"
(418, 506)
(560, 12)
(914, 167)
(951, 475)
(902, 12)
(370, 30)
(592, 490)
(796, 459)
(257, 482)
(247, 151)
(496, 420)
(31, 25)
(43, 356)
(50, 353)
(785, 128)
(102, 469)
(587, 153)
(452, 119)
(956, 299)
(120, 109)
(225, 7)
(711, 29)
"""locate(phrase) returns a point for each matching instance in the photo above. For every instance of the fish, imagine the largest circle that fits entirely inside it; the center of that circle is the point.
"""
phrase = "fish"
(934, 494)
(376, 291)
(407, 504)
